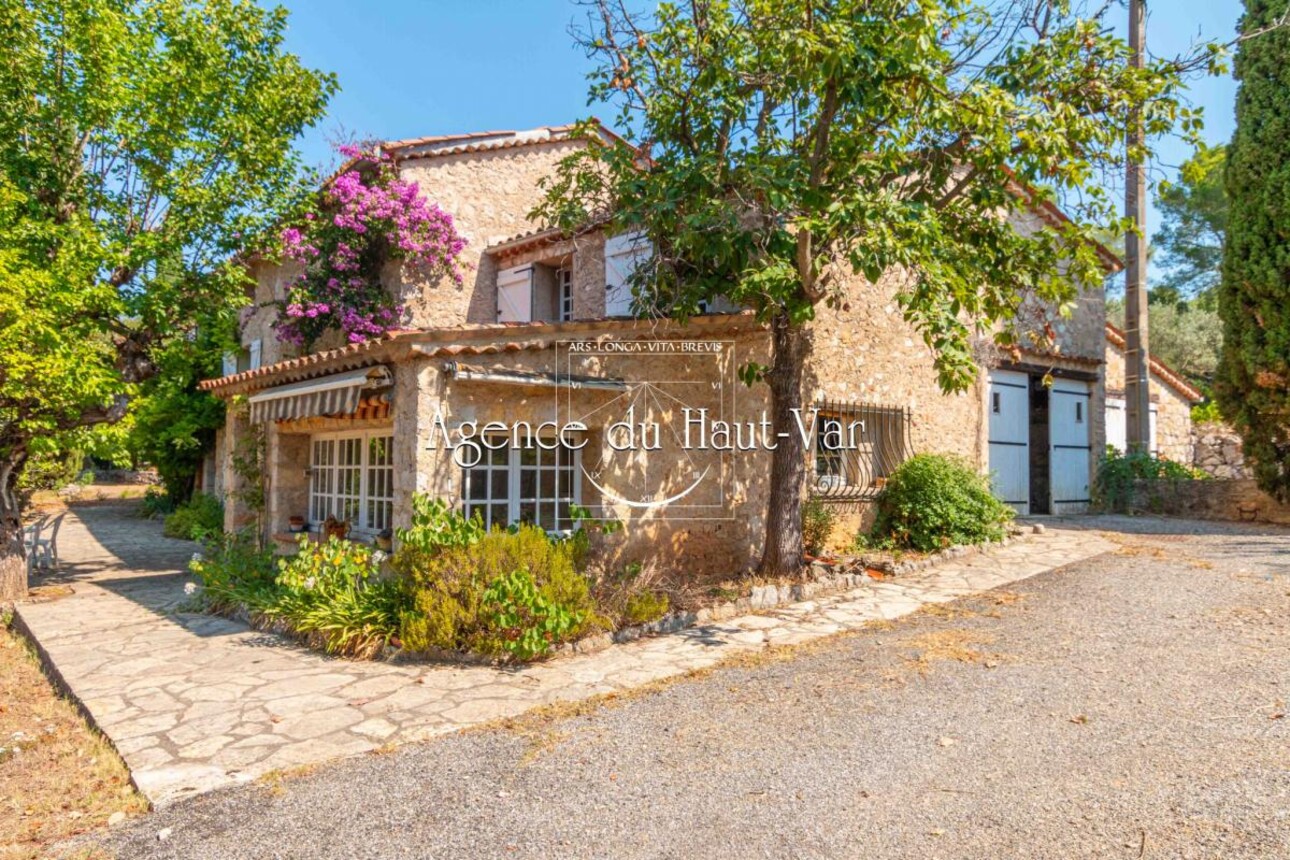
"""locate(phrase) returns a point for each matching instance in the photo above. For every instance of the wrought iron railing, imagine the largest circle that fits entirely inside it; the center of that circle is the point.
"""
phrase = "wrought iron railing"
(856, 446)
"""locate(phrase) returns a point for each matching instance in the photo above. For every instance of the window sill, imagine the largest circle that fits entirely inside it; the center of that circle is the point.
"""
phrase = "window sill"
(317, 537)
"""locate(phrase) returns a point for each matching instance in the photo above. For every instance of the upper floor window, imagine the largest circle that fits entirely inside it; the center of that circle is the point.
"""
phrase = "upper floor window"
(537, 292)
(564, 281)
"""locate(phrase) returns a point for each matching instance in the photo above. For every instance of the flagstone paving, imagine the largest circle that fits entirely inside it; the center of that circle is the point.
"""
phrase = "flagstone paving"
(195, 702)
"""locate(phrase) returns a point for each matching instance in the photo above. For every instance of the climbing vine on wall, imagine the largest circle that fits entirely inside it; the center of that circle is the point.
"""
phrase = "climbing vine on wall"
(366, 217)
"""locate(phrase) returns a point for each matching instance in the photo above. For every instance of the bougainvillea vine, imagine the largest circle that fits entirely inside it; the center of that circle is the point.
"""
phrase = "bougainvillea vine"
(366, 217)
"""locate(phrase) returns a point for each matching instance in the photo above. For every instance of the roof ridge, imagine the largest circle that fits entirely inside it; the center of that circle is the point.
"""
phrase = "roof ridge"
(1171, 377)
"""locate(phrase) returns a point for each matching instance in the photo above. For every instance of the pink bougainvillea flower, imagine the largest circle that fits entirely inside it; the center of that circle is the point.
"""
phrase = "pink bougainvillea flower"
(371, 215)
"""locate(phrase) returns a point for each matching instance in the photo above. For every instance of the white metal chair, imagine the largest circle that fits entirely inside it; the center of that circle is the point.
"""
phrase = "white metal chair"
(47, 547)
(32, 544)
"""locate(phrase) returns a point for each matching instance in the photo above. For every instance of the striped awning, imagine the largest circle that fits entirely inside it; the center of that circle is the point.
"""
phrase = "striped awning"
(338, 394)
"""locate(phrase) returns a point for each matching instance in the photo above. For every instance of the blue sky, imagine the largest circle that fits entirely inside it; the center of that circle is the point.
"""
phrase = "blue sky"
(416, 67)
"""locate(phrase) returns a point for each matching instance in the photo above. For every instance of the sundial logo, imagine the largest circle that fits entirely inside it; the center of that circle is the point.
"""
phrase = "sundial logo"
(649, 407)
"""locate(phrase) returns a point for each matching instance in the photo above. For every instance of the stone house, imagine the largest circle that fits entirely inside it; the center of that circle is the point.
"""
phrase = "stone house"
(540, 338)
(1172, 398)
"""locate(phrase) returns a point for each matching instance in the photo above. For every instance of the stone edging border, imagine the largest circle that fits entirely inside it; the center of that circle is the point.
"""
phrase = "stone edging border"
(763, 597)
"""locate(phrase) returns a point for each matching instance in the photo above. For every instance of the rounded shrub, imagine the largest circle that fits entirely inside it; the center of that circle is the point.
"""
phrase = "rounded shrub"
(932, 501)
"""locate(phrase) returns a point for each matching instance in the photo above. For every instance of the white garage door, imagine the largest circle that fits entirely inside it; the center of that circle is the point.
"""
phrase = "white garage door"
(1068, 426)
(1010, 438)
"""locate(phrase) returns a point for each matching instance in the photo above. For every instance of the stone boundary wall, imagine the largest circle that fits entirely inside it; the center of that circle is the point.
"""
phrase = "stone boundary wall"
(1235, 500)
(1217, 451)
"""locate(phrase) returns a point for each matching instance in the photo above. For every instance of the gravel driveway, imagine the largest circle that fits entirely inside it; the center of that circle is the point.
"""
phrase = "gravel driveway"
(1129, 706)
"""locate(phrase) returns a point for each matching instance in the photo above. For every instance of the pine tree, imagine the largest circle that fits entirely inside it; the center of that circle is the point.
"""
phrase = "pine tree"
(1254, 300)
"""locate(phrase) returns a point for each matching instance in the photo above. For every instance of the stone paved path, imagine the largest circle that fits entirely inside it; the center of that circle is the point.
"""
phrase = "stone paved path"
(195, 702)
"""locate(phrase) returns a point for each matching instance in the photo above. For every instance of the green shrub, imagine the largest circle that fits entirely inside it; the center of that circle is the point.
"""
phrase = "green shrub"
(50, 471)
(235, 573)
(645, 606)
(333, 591)
(194, 519)
(1206, 413)
(817, 525)
(329, 593)
(437, 527)
(156, 502)
(521, 619)
(450, 590)
(1113, 486)
(932, 501)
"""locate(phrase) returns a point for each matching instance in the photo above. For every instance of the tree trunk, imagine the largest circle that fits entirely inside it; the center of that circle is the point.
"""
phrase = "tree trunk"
(782, 555)
(13, 558)
(13, 572)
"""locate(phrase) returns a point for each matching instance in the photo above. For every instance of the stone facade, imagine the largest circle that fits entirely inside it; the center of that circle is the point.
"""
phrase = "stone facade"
(864, 352)
(1170, 395)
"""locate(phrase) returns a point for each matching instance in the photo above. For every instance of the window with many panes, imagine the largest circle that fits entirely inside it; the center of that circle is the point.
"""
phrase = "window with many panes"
(529, 483)
(351, 478)
(564, 281)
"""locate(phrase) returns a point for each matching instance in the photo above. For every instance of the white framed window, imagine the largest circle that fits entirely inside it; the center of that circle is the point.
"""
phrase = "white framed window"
(351, 478)
(528, 483)
(564, 285)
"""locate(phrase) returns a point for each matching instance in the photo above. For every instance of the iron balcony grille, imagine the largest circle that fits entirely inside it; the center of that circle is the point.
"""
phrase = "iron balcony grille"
(856, 446)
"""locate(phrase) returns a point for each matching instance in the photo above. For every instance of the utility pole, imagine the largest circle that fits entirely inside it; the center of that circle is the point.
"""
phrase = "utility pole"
(1137, 375)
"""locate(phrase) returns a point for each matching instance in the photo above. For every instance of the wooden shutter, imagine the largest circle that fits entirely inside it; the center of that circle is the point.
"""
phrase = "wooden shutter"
(622, 255)
(515, 294)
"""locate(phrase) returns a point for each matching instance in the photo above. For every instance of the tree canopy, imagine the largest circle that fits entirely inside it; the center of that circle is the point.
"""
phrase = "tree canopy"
(142, 142)
(1254, 376)
(780, 147)
(1193, 214)
(1185, 335)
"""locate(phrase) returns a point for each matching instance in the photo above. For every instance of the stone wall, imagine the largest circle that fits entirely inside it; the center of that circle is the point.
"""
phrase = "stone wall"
(1173, 410)
(489, 195)
(1218, 451)
(1237, 500)
(865, 352)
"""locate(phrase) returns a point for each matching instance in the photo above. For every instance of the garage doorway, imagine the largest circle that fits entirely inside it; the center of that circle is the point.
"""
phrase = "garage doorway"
(1039, 443)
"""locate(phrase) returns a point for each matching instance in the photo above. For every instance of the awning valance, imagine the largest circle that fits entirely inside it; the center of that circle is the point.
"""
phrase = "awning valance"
(338, 394)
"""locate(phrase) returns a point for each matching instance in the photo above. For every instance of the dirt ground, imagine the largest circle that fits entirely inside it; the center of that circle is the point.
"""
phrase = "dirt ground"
(58, 778)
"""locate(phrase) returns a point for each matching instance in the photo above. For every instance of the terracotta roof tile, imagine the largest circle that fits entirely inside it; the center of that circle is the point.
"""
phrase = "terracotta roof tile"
(1167, 374)
(314, 358)
(492, 339)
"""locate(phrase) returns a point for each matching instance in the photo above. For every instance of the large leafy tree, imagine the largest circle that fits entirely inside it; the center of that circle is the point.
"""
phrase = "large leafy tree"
(1193, 214)
(1186, 335)
(787, 146)
(174, 423)
(132, 132)
(1254, 297)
